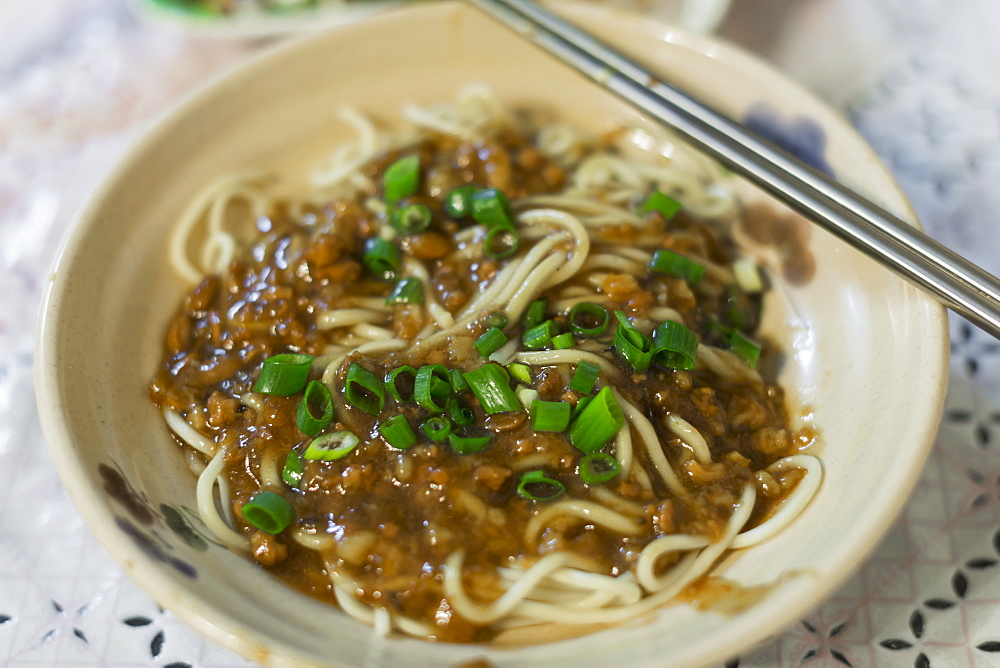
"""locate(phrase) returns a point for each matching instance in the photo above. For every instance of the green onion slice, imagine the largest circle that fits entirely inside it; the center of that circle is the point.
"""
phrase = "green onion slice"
(580, 405)
(490, 341)
(745, 349)
(491, 208)
(458, 202)
(563, 341)
(521, 372)
(397, 432)
(468, 445)
(549, 415)
(364, 390)
(584, 377)
(402, 178)
(598, 467)
(400, 382)
(432, 387)
(284, 374)
(676, 345)
(501, 242)
(406, 291)
(437, 428)
(381, 257)
(534, 314)
(458, 382)
(460, 412)
(589, 319)
(536, 486)
(632, 345)
(597, 423)
(539, 336)
(412, 218)
(293, 469)
(672, 264)
(330, 447)
(664, 204)
(491, 385)
(315, 410)
(269, 512)
(495, 319)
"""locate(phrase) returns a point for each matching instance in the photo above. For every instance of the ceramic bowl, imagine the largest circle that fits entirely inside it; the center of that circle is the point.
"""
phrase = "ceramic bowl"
(865, 355)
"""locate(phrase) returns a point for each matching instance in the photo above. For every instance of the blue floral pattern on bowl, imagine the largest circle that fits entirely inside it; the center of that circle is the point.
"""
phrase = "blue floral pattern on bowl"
(801, 137)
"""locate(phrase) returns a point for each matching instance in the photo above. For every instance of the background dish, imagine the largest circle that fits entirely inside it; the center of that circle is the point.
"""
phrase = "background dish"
(852, 315)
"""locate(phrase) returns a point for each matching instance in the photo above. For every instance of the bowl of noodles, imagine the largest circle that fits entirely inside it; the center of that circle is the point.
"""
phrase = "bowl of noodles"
(445, 358)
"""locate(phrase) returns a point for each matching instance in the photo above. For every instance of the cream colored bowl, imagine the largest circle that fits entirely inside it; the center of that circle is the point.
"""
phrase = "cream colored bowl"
(866, 354)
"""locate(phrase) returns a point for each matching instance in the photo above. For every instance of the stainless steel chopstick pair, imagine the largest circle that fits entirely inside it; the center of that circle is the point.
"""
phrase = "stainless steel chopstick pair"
(962, 286)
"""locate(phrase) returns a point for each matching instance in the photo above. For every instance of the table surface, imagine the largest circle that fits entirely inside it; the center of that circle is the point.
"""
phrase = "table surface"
(80, 79)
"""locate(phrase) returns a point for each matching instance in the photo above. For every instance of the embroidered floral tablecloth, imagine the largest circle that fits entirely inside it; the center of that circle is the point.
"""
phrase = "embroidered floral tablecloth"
(80, 79)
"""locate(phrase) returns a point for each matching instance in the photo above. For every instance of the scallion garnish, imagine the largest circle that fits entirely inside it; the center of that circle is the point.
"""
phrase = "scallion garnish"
(400, 382)
(315, 410)
(521, 372)
(406, 291)
(437, 428)
(381, 257)
(269, 512)
(589, 319)
(293, 469)
(632, 345)
(536, 486)
(676, 345)
(597, 423)
(458, 202)
(598, 467)
(672, 264)
(534, 314)
(744, 348)
(549, 415)
(491, 208)
(495, 319)
(364, 390)
(501, 242)
(402, 178)
(491, 386)
(458, 382)
(526, 395)
(540, 335)
(468, 445)
(397, 432)
(584, 377)
(432, 387)
(412, 218)
(284, 374)
(580, 405)
(665, 205)
(330, 447)
(563, 341)
(459, 411)
(490, 341)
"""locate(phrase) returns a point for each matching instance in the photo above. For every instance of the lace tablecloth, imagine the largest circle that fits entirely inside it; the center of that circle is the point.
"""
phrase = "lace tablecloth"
(79, 79)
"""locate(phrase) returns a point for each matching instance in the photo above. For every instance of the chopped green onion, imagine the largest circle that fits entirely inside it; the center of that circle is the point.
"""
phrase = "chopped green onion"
(458, 382)
(432, 387)
(747, 275)
(666, 206)
(269, 512)
(293, 469)
(490, 341)
(330, 447)
(598, 467)
(437, 428)
(364, 390)
(397, 432)
(400, 383)
(563, 341)
(407, 291)
(381, 257)
(284, 374)
(468, 445)
(580, 405)
(521, 372)
(550, 415)
(670, 263)
(676, 346)
(526, 395)
(634, 347)
(315, 410)
(501, 242)
(459, 412)
(490, 207)
(402, 178)
(495, 319)
(458, 202)
(597, 423)
(589, 319)
(584, 377)
(536, 486)
(540, 335)
(744, 348)
(491, 386)
(412, 218)
(534, 314)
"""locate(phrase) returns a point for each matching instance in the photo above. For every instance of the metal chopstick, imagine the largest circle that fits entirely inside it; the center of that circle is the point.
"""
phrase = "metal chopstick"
(962, 286)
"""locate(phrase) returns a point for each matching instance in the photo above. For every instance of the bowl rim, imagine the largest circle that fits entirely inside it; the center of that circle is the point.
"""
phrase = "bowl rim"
(232, 634)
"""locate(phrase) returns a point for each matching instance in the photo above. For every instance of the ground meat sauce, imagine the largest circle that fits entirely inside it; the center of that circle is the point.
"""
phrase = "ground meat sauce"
(396, 515)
